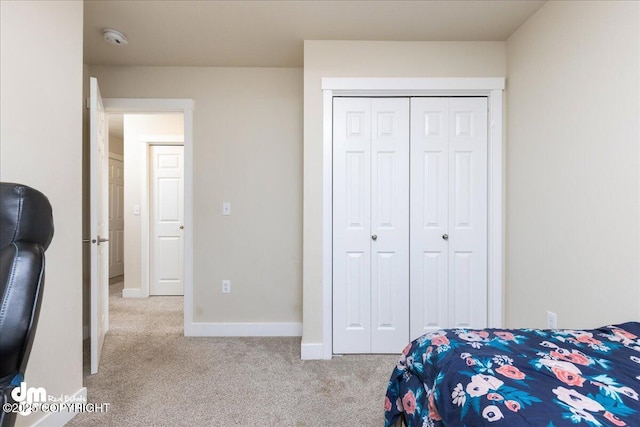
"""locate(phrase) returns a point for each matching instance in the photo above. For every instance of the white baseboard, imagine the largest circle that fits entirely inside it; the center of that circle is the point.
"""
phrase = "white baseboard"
(312, 351)
(59, 419)
(132, 293)
(85, 332)
(245, 330)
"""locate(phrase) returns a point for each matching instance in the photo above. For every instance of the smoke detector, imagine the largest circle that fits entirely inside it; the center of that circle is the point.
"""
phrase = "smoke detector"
(114, 37)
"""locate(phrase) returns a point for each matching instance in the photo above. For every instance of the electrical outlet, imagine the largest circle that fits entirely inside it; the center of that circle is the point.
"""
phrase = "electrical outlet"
(552, 320)
(226, 286)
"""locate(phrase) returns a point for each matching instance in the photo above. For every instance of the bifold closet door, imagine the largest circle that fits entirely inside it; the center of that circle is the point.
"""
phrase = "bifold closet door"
(448, 213)
(370, 225)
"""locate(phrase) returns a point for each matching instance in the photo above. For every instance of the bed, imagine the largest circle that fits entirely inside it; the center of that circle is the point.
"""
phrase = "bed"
(518, 377)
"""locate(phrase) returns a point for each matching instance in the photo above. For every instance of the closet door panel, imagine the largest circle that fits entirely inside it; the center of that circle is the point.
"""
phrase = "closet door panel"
(468, 212)
(352, 225)
(389, 224)
(429, 215)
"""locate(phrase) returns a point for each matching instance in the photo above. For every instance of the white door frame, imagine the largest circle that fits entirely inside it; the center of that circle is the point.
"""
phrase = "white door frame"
(184, 106)
(145, 258)
(493, 89)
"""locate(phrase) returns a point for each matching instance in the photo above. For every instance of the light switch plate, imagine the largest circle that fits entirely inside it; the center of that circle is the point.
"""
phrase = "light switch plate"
(226, 209)
(136, 209)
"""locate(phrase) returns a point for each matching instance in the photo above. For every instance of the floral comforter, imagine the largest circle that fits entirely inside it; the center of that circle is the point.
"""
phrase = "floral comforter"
(523, 377)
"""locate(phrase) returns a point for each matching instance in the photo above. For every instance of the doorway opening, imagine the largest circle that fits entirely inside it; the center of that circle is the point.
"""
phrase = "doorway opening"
(159, 122)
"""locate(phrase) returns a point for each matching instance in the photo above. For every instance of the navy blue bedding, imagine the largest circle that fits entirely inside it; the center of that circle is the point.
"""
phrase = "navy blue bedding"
(519, 377)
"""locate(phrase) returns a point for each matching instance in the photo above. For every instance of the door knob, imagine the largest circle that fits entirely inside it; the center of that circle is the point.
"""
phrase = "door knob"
(445, 237)
(182, 227)
(374, 237)
(99, 240)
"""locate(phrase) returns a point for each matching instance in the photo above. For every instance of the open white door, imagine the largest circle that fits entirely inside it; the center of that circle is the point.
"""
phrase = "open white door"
(99, 141)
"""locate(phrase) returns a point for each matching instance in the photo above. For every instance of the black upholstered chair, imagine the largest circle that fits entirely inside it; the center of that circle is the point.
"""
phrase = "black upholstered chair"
(26, 230)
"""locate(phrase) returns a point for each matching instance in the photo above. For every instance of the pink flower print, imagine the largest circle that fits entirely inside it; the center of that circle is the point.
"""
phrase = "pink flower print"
(614, 419)
(433, 411)
(568, 377)
(512, 405)
(440, 340)
(511, 372)
(387, 404)
(507, 336)
(409, 403)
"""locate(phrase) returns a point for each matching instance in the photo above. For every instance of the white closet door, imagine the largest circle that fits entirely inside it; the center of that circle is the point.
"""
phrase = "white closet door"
(448, 213)
(370, 225)
(468, 212)
(429, 214)
(351, 225)
(389, 224)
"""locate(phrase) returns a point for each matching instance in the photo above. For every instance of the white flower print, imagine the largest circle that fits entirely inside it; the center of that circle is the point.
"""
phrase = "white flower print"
(502, 360)
(477, 387)
(627, 391)
(579, 415)
(492, 413)
(567, 366)
(548, 344)
(475, 344)
(458, 395)
(470, 336)
(577, 400)
(409, 361)
(481, 384)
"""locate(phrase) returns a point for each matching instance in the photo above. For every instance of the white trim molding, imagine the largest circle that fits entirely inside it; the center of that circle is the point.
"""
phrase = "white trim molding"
(133, 293)
(493, 89)
(246, 329)
(62, 417)
(185, 106)
(311, 351)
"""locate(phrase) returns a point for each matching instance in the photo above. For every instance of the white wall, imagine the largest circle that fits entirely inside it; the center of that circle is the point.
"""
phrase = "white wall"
(247, 151)
(572, 165)
(41, 133)
(135, 126)
(116, 145)
(367, 59)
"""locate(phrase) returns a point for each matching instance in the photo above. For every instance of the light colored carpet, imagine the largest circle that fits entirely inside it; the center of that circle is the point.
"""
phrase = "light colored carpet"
(154, 376)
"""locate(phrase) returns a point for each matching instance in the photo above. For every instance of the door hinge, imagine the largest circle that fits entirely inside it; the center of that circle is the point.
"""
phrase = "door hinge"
(87, 103)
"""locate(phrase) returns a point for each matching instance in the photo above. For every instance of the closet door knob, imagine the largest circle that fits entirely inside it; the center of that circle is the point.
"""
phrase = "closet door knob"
(374, 237)
(445, 237)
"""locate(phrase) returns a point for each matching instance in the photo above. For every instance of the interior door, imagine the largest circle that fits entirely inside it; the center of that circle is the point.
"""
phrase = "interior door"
(389, 224)
(370, 234)
(448, 213)
(166, 219)
(116, 217)
(99, 187)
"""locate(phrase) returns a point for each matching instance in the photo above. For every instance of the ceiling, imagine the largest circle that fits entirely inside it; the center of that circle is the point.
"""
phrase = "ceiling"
(271, 33)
